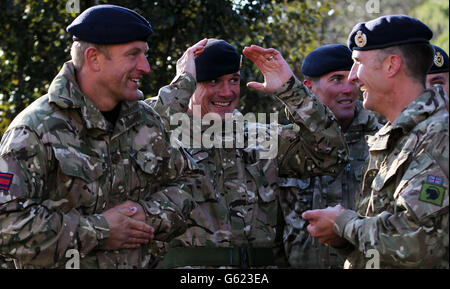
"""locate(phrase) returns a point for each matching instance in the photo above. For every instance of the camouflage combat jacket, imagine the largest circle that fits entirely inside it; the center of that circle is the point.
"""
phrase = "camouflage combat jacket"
(319, 192)
(62, 164)
(237, 211)
(402, 212)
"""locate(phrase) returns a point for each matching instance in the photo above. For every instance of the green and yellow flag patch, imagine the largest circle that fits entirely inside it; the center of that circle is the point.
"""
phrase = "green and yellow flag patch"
(432, 193)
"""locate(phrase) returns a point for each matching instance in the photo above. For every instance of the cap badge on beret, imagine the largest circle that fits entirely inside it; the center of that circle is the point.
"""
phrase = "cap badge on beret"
(438, 59)
(360, 39)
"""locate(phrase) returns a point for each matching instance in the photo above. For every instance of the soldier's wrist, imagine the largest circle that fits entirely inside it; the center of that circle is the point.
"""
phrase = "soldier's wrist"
(185, 81)
(342, 220)
(101, 228)
(283, 92)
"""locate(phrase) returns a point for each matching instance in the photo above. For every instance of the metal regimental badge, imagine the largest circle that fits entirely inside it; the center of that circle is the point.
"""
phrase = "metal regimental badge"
(360, 39)
(438, 59)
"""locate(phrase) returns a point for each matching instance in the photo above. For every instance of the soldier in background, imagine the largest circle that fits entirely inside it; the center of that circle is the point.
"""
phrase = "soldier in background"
(401, 217)
(326, 72)
(438, 73)
(235, 223)
(87, 169)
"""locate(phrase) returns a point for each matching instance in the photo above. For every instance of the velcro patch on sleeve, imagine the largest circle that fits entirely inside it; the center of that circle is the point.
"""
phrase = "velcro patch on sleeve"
(5, 181)
(432, 193)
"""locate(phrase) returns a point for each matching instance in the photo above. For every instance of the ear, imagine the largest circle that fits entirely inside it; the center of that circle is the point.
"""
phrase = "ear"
(393, 64)
(308, 83)
(92, 58)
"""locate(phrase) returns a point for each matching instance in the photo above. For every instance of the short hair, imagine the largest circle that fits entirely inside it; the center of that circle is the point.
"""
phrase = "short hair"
(417, 58)
(79, 48)
(314, 79)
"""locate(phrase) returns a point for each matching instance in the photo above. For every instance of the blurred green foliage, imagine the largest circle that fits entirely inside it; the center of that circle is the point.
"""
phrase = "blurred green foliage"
(435, 14)
(34, 43)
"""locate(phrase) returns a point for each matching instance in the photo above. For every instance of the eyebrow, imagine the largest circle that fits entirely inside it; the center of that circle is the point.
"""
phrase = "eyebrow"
(340, 75)
(439, 77)
(136, 48)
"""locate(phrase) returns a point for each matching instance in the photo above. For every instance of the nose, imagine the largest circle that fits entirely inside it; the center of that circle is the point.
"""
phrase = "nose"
(225, 90)
(143, 65)
(348, 87)
(352, 77)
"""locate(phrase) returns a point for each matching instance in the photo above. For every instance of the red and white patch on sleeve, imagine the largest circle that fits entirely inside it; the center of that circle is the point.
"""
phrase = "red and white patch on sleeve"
(5, 181)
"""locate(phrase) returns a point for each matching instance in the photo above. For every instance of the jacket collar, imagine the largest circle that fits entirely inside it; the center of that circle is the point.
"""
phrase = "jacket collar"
(425, 105)
(65, 93)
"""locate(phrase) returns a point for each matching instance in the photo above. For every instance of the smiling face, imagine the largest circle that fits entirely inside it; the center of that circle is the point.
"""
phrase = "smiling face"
(220, 95)
(339, 94)
(368, 74)
(122, 70)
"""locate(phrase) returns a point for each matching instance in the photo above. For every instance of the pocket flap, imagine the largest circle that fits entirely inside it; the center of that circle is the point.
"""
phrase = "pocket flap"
(266, 193)
(147, 161)
(387, 171)
(76, 164)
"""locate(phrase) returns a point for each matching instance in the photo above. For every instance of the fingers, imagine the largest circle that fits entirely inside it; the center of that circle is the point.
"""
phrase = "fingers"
(259, 54)
(310, 215)
(140, 226)
(198, 47)
(311, 230)
(131, 246)
(128, 211)
(138, 233)
(197, 52)
(256, 86)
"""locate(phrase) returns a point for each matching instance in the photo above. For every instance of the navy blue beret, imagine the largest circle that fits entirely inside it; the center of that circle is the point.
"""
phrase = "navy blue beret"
(440, 61)
(218, 58)
(388, 31)
(327, 58)
(109, 24)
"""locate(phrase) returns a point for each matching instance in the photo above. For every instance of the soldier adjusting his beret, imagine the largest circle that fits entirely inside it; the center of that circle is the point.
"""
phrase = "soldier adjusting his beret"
(236, 223)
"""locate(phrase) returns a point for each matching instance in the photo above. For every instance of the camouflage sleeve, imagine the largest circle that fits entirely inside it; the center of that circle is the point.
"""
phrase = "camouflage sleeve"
(415, 235)
(33, 228)
(319, 146)
(169, 208)
(169, 202)
(173, 98)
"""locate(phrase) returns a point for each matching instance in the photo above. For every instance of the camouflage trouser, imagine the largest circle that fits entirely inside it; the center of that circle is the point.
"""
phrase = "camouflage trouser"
(302, 250)
(6, 263)
(306, 252)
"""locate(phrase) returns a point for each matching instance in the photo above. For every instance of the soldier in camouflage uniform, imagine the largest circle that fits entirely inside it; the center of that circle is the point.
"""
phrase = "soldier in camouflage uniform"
(86, 171)
(235, 223)
(326, 70)
(401, 217)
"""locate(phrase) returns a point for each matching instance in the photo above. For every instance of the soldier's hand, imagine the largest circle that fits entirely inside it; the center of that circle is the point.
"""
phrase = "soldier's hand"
(275, 69)
(186, 63)
(126, 232)
(321, 224)
(138, 215)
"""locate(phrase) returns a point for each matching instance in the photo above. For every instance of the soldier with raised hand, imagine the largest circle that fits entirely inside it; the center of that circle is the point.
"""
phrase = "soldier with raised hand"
(438, 73)
(87, 170)
(401, 217)
(326, 71)
(236, 223)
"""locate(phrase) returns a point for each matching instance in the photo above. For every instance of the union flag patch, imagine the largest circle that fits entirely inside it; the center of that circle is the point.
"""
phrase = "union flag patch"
(5, 181)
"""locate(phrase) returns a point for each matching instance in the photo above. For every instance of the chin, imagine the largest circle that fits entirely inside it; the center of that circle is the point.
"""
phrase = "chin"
(132, 96)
